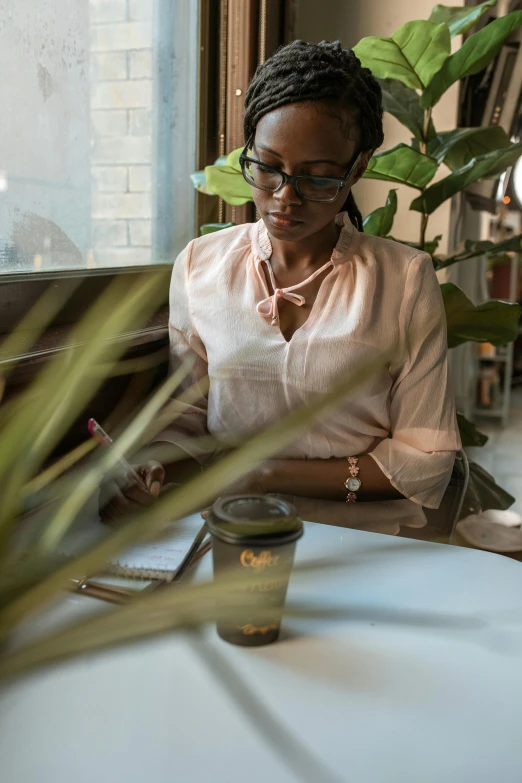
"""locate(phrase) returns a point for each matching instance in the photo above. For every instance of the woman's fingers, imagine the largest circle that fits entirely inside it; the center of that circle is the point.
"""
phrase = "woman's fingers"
(153, 475)
(118, 499)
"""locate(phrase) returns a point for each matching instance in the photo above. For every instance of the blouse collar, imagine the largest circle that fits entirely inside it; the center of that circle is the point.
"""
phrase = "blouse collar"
(263, 247)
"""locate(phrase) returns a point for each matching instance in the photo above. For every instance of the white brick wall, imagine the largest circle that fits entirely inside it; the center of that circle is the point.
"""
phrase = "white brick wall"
(109, 179)
(108, 10)
(124, 36)
(125, 94)
(140, 232)
(111, 65)
(124, 150)
(122, 256)
(121, 123)
(140, 10)
(109, 123)
(109, 233)
(140, 64)
(140, 178)
(140, 122)
(114, 206)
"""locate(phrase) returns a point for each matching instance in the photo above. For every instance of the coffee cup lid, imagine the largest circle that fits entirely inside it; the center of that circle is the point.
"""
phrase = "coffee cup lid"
(241, 519)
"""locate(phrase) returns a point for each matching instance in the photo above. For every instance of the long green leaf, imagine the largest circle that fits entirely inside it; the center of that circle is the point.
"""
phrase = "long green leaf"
(491, 322)
(403, 165)
(90, 480)
(34, 323)
(195, 494)
(458, 18)
(474, 249)
(379, 222)
(488, 165)
(458, 147)
(413, 54)
(474, 55)
(42, 416)
(403, 103)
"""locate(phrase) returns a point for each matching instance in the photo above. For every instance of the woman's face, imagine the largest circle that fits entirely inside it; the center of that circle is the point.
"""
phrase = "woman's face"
(303, 138)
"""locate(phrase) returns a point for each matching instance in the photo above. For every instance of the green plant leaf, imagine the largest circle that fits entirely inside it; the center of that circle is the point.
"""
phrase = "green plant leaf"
(458, 147)
(403, 103)
(227, 181)
(224, 179)
(460, 19)
(473, 56)
(379, 222)
(472, 249)
(210, 228)
(404, 165)
(469, 434)
(431, 245)
(488, 165)
(413, 54)
(492, 322)
(199, 180)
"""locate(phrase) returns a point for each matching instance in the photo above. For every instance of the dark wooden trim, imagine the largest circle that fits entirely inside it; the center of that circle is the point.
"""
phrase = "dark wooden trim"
(208, 145)
(78, 289)
(251, 32)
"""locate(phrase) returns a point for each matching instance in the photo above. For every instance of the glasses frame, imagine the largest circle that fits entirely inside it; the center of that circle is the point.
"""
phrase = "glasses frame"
(341, 182)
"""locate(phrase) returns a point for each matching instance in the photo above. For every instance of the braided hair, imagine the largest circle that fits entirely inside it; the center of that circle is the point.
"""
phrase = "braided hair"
(324, 72)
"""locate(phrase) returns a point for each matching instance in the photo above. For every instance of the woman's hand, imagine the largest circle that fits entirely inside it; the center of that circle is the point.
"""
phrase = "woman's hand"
(118, 498)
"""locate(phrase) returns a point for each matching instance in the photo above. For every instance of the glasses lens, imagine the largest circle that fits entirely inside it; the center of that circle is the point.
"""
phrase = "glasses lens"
(261, 176)
(317, 188)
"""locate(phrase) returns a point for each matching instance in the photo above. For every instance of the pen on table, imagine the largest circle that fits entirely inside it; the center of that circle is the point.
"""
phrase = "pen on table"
(99, 434)
(121, 595)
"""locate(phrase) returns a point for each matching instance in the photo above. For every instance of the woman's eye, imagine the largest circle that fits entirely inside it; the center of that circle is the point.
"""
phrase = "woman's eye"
(322, 182)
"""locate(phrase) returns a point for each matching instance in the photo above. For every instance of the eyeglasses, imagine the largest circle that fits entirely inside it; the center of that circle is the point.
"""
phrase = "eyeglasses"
(272, 179)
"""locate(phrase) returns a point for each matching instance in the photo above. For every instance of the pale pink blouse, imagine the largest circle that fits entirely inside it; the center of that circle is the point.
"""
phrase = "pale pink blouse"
(379, 295)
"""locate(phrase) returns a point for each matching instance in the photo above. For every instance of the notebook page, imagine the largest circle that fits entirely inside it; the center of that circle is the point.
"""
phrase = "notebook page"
(150, 560)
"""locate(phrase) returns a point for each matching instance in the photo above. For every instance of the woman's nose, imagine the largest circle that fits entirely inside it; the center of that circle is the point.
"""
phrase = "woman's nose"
(287, 195)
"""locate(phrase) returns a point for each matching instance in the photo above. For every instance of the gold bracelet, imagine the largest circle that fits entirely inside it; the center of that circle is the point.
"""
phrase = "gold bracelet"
(352, 483)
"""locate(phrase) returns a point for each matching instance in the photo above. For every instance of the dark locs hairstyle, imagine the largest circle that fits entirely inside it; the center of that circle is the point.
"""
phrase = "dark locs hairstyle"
(323, 72)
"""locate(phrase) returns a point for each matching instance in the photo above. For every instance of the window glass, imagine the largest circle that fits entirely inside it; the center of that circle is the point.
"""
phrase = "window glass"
(98, 132)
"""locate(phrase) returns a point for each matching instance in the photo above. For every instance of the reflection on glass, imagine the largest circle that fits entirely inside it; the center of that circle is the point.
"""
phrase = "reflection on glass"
(80, 150)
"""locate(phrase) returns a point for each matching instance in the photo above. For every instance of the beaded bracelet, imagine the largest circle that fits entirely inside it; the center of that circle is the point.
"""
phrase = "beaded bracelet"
(352, 483)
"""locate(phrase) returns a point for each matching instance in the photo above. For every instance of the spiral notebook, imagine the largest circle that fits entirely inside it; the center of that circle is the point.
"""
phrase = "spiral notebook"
(152, 560)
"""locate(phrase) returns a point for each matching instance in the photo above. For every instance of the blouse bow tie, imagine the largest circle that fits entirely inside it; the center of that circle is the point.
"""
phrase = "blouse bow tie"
(268, 307)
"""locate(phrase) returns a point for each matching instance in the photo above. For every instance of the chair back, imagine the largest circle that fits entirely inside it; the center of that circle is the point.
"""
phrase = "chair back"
(441, 521)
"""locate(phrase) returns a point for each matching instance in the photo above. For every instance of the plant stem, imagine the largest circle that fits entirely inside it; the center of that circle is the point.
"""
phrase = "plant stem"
(425, 132)
(424, 224)
(423, 146)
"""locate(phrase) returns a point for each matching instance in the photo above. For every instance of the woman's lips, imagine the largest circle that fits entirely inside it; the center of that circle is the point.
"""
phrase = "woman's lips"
(283, 221)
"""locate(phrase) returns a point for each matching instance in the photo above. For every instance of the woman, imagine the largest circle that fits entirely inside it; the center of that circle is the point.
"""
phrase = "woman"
(275, 311)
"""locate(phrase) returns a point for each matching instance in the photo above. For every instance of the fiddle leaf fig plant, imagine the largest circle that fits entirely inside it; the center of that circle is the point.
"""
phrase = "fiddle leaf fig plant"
(415, 66)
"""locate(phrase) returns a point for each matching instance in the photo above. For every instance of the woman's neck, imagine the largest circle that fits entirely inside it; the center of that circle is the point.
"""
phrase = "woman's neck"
(309, 253)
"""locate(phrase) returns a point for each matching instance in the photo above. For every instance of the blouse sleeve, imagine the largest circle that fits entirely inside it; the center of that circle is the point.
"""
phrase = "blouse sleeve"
(418, 457)
(191, 422)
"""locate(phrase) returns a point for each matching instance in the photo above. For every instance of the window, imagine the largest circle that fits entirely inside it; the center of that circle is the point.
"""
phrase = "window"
(99, 130)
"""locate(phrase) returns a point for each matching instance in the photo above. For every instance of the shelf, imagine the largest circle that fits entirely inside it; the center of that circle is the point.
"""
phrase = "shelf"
(496, 412)
(496, 359)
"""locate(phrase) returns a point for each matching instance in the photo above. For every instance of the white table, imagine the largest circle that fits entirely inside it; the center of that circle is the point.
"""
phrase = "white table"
(379, 699)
